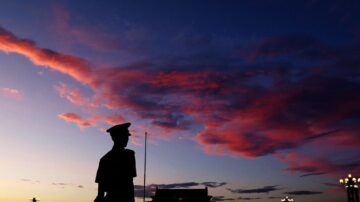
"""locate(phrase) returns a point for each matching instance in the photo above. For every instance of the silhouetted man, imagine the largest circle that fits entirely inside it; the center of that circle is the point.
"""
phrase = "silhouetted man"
(117, 169)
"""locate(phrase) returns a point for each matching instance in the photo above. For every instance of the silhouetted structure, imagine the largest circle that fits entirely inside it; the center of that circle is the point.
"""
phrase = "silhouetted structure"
(351, 186)
(117, 169)
(34, 200)
(287, 199)
(181, 195)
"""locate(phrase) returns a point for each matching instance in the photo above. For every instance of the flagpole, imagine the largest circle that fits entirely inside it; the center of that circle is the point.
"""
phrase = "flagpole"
(145, 167)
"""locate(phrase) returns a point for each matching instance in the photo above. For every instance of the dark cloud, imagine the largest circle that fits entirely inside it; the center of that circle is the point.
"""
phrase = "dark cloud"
(30, 181)
(275, 197)
(320, 135)
(190, 184)
(265, 189)
(221, 198)
(59, 184)
(312, 174)
(178, 185)
(213, 184)
(302, 192)
(171, 121)
(248, 198)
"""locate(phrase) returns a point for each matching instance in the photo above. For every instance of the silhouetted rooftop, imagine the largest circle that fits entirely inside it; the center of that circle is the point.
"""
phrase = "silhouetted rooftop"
(169, 195)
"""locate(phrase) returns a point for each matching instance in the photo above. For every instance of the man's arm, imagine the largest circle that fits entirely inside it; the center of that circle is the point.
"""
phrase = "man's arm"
(99, 179)
(132, 163)
(101, 193)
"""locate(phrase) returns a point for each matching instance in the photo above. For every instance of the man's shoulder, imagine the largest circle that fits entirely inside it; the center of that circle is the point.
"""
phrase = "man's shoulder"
(114, 155)
(129, 151)
(106, 156)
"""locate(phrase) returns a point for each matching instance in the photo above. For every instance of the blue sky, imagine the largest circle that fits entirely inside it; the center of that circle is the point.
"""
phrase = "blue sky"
(248, 95)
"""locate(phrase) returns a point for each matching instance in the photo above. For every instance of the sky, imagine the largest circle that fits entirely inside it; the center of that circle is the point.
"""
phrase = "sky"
(255, 100)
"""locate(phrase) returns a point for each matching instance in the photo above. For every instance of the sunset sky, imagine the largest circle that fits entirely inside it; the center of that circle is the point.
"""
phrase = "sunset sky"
(253, 99)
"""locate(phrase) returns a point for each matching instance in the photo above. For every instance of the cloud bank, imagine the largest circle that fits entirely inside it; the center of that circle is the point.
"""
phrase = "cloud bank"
(303, 192)
(265, 189)
(278, 95)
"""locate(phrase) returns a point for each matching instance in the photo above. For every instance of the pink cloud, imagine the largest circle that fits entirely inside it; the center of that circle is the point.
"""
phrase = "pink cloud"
(12, 93)
(91, 121)
(70, 65)
(72, 117)
(75, 96)
(108, 119)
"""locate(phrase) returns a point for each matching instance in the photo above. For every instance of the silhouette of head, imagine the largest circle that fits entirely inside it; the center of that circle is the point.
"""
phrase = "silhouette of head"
(120, 134)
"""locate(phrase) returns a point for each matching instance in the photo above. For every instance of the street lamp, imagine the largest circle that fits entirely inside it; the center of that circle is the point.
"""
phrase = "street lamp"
(287, 199)
(351, 186)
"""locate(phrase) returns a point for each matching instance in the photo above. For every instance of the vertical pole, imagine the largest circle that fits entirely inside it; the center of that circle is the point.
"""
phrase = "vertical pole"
(145, 167)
